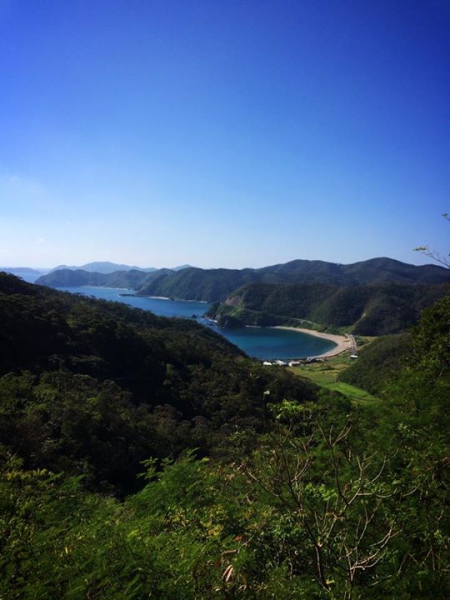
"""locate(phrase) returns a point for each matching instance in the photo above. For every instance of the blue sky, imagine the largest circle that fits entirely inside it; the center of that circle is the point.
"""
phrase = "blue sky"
(227, 133)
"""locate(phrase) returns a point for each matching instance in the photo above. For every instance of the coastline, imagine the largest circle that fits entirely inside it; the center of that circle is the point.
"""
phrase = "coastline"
(342, 342)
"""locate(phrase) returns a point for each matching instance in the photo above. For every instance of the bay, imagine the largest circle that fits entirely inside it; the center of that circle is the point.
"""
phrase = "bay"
(264, 343)
(162, 307)
(268, 343)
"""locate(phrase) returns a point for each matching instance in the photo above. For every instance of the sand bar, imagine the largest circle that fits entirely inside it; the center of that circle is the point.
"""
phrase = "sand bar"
(342, 342)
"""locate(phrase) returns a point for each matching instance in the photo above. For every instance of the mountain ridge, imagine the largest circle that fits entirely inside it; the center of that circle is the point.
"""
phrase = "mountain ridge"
(215, 285)
(107, 267)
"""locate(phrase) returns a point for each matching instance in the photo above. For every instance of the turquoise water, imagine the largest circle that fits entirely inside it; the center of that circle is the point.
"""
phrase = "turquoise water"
(159, 306)
(257, 342)
(269, 343)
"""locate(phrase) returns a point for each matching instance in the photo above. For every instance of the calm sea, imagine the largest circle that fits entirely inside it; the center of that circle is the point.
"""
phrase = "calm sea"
(258, 342)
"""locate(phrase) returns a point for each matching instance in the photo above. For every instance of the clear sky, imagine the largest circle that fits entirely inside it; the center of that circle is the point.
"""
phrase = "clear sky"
(227, 133)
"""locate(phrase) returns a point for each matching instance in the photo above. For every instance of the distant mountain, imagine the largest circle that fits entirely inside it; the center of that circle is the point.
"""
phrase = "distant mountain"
(19, 270)
(109, 267)
(72, 278)
(215, 285)
(374, 270)
(104, 267)
(196, 284)
(132, 279)
(212, 285)
(25, 273)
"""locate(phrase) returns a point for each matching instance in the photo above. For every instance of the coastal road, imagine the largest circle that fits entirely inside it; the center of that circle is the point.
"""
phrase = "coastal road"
(352, 343)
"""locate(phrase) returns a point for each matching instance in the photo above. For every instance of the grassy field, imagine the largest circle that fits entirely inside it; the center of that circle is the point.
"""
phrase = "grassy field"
(326, 375)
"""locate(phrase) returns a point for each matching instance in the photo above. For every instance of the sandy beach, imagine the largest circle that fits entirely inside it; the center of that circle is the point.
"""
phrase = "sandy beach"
(343, 342)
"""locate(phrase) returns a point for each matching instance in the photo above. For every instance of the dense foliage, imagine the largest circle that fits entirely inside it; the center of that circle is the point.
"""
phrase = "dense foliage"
(84, 380)
(379, 363)
(363, 310)
(293, 496)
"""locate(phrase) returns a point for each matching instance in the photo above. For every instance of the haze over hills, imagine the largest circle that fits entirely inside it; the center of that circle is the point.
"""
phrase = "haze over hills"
(26, 273)
(30, 274)
(21, 270)
(107, 267)
(213, 285)
(104, 267)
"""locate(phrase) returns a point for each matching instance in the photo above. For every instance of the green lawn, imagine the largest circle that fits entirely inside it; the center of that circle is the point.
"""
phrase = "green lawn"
(354, 393)
(326, 375)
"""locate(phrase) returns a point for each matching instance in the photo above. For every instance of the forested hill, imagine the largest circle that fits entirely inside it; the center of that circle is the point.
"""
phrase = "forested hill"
(216, 284)
(362, 309)
(291, 493)
(95, 387)
(78, 277)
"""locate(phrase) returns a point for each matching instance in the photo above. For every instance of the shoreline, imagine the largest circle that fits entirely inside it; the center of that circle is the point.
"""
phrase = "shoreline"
(342, 342)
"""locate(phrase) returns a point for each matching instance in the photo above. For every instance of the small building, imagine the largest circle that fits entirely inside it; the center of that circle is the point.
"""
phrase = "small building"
(295, 363)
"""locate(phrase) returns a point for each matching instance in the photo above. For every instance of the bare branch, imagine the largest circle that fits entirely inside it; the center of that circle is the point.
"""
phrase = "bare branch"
(436, 256)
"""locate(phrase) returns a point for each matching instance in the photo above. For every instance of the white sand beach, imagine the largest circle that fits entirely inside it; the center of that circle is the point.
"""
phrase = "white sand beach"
(342, 341)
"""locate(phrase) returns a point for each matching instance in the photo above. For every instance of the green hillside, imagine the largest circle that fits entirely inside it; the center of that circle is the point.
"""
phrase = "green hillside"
(196, 284)
(143, 457)
(89, 372)
(214, 285)
(77, 277)
(379, 363)
(362, 310)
